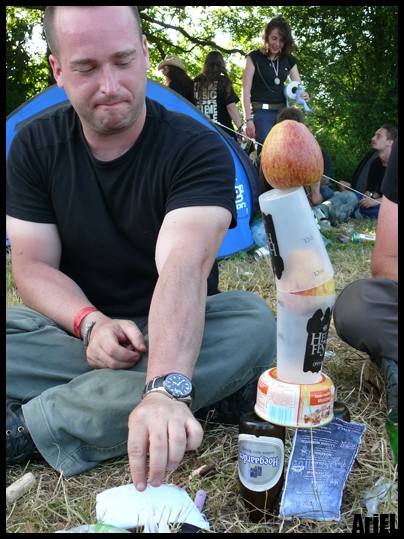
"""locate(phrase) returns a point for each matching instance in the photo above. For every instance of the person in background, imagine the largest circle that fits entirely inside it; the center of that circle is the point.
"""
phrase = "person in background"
(336, 208)
(116, 210)
(326, 191)
(215, 96)
(266, 70)
(366, 311)
(369, 205)
(176, 77)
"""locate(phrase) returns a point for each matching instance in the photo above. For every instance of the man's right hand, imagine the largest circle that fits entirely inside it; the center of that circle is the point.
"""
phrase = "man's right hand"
(115, 344)
(162, 429)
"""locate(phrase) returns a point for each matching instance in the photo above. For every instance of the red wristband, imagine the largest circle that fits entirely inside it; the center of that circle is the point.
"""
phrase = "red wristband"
(79, 317)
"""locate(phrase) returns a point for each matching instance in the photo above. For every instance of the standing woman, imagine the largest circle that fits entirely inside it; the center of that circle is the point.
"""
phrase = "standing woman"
(176, 77)
(265, 73)
(215, 96)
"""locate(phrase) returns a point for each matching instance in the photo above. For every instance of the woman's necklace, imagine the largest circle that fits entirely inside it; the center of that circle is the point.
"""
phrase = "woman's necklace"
(276, 70)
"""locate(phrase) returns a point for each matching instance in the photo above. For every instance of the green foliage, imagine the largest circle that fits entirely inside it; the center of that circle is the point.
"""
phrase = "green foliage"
(347, 58)
(348, 61)
(26, 75)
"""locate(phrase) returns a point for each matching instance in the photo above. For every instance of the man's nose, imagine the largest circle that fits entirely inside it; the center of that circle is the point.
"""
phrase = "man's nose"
(109, 83)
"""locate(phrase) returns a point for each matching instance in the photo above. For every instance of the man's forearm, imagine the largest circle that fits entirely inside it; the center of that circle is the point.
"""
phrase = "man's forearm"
(386, 268)
(176, 321)
(50, 292)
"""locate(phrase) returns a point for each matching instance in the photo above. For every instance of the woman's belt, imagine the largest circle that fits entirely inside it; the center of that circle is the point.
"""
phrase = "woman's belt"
(266, 106)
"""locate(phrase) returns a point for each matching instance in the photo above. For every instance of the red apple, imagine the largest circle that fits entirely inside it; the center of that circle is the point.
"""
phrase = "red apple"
(291, 156)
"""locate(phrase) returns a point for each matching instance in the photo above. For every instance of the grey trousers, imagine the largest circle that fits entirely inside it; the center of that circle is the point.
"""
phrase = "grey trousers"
(78, 416)
(366, 317)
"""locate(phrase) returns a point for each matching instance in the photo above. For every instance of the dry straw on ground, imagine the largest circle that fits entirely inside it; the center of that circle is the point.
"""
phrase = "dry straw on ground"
(58, 503)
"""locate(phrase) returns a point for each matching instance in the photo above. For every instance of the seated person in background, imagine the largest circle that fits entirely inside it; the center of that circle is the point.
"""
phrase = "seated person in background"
(339, 208)
(366, 311)
(369, 205)
(325, 189)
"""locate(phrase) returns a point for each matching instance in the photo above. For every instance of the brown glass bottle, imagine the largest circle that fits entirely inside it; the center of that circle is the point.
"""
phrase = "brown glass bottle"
(341, 411)
(261, 458)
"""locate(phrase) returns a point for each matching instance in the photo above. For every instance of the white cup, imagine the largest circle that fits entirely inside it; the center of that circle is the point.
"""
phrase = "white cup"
(299, 258)
(302, 331)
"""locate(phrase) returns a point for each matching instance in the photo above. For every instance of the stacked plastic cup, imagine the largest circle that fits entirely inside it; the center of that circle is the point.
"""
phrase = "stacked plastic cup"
(304, 281)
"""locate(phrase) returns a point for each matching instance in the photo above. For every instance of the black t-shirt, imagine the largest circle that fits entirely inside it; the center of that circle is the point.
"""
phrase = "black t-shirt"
(182, 89)
(375, 176)
(263, 88)
(213, 103)
(390, 181)
(109, 214)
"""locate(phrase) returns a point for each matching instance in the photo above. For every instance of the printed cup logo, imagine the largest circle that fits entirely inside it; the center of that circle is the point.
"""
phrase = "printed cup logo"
(317, 334)
(241, 205)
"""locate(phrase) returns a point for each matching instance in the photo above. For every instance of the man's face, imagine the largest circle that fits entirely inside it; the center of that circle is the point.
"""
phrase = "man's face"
(379, 140)
(102, 64)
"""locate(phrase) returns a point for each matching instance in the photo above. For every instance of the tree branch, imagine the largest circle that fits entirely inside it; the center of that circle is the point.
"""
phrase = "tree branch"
(192, 39)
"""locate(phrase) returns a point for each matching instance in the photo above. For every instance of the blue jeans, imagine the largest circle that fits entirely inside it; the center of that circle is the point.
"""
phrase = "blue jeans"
(368, 213)
(78, 416)
(326, 192)
(264, 120)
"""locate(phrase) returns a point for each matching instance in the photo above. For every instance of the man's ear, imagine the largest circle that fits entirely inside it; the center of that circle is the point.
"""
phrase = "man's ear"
(56, 70)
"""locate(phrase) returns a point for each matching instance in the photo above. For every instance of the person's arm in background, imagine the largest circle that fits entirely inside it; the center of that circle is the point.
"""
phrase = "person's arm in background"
(314, 194)
(235, 115)
(385, 254)
(373, 187)
(248, 74)
(343, 185)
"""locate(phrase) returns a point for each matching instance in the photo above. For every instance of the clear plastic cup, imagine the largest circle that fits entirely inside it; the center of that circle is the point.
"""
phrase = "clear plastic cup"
(299, 258)
(302, 332)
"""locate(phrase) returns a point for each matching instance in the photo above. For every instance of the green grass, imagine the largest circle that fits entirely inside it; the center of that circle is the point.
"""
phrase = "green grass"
(58, 503)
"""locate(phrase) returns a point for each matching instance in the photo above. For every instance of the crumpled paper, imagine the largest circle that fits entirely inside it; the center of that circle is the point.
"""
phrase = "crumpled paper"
(154, 508)
(382, 491)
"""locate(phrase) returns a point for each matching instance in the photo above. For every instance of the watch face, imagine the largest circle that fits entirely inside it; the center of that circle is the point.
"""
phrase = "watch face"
(178, 385)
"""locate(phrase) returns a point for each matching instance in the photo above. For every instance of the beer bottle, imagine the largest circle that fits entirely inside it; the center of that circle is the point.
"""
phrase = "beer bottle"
(341, 411)
(261, 457)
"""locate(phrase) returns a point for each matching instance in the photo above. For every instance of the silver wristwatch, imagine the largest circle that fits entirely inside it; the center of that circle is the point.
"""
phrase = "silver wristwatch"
(174, 385)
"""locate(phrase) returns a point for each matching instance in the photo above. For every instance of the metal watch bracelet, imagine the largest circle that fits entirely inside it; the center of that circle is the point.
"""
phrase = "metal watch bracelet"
(86, 335)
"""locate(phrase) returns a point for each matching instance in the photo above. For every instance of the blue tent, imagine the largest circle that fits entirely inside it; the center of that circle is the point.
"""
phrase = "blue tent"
(246, 182)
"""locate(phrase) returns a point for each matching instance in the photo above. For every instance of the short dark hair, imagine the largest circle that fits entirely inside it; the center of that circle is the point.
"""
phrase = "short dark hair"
(49, 25)
(392, 132)
(290, 113)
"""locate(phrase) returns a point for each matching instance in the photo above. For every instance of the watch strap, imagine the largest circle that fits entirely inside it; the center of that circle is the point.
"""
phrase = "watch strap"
(156, 385)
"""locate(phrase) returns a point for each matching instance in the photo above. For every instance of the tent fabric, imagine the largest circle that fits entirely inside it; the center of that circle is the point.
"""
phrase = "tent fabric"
(246, 180)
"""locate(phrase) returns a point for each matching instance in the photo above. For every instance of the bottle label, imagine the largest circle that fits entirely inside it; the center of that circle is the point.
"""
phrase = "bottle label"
(363, 238)
(260, 461)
